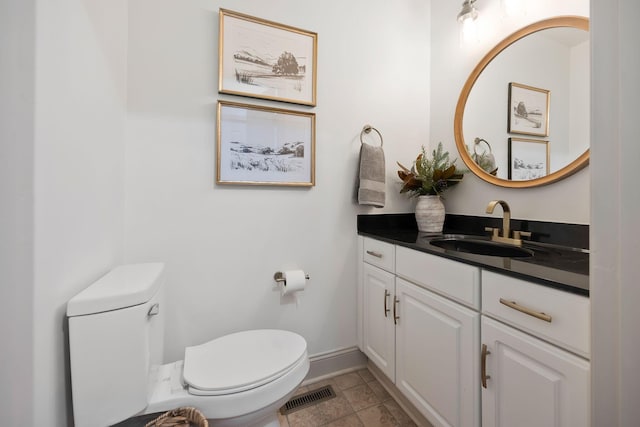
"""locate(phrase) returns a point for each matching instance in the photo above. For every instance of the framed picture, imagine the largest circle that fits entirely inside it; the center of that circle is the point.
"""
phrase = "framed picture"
(265, 146)
(264, 59)
(528, 159)
(528, 110)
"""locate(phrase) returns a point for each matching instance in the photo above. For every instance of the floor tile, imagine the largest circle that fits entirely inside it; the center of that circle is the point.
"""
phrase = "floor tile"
(283, 420)
(361, 401)
(348, 421)
(300, 390)
(323, 383)
(333, 409)
(361, 396)
(366, 375)
(349, 380)
(377, 416)
(398, 413)
(306, 417)
(379, 390)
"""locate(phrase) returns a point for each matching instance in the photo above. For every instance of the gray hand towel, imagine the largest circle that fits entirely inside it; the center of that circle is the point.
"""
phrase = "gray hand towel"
(371, 189)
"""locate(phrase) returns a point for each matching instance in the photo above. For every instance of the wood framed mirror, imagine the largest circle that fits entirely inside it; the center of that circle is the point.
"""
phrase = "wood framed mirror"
(522, 118)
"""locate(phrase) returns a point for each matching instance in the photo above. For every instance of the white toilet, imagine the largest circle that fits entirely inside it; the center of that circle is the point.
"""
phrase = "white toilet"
(116, 329)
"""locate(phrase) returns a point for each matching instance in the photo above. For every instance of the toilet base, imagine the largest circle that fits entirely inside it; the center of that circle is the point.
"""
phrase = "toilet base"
(227, 410)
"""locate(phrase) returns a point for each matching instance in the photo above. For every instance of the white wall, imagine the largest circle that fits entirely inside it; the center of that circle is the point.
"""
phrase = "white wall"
(222, 244)
(580, 96)
(17, 46)
(451, 65)
(78, 181)
(615, 209)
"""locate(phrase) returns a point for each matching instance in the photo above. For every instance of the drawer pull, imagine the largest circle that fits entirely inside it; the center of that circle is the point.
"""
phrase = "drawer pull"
(483, 365)
(395, 316)
(375, 254)
(386, 309)
(525, 310)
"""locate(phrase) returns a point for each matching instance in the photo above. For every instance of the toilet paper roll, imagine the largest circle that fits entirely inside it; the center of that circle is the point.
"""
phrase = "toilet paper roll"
(294, 280)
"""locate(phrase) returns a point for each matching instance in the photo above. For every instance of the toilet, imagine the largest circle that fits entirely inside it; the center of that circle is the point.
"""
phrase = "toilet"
(116, 332)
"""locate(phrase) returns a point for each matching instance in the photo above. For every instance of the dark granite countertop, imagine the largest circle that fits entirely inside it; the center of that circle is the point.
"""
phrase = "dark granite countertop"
(560, 260)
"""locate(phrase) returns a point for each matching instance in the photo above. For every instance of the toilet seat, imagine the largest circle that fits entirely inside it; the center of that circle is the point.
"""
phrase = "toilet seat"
(241, 361)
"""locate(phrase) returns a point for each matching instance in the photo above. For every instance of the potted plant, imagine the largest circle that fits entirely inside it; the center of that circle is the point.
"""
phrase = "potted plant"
(427, 179)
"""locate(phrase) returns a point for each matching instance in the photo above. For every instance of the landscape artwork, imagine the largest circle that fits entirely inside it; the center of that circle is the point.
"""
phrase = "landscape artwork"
(264, 59)
(265, 146)
(528, 110)
(528, 159)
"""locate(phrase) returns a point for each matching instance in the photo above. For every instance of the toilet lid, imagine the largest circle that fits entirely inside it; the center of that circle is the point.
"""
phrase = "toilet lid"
(242, 361)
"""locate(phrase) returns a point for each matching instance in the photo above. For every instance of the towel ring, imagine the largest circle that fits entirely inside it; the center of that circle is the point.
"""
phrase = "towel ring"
(368, 129)
(478, 141)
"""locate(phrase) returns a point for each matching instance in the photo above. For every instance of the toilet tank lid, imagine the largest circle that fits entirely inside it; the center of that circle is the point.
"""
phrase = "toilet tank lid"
(124, 286)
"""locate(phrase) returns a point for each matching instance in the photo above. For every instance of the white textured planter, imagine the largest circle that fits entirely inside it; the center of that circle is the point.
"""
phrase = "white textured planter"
(430, 214)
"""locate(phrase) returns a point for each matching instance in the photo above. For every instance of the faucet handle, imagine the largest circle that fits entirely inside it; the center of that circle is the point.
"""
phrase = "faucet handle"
(518, 234)
(494, 231)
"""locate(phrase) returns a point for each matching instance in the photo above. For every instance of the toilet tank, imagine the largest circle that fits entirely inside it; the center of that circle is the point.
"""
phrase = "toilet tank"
(115, 337)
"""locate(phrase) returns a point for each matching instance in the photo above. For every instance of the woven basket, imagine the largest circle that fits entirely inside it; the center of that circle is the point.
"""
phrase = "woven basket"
(180, 417)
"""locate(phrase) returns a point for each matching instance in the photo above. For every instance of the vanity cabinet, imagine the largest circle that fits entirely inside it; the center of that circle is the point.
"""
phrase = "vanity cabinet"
(471, 347)
(426, 342)
(379, 335)
(535, 345)
(530, 383)
(436, 356)
(378, 291)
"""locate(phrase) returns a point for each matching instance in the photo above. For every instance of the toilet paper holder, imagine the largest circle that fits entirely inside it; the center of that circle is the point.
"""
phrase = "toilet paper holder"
(279, 277)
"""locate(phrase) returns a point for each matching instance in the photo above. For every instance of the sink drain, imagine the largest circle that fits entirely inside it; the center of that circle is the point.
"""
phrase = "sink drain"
(307, 399)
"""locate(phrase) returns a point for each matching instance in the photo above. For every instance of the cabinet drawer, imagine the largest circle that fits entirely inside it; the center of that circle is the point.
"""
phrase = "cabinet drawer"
(380, 254)
(458, 281)
(559, 317)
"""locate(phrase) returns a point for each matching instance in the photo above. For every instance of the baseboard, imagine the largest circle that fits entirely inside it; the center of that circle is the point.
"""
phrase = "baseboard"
(397, 395)
(336, 362)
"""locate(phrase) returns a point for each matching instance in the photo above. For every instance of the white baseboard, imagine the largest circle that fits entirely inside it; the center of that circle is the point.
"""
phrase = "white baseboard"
(336, 362)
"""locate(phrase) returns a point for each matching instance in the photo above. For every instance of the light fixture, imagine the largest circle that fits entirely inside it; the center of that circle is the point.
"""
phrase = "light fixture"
(467, 18)
(468, 12)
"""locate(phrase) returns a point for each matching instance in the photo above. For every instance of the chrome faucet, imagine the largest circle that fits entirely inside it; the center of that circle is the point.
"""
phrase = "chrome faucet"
(506, 225)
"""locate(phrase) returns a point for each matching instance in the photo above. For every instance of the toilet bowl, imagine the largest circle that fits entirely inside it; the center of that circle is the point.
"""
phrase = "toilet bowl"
(115, 339)
(240, 379)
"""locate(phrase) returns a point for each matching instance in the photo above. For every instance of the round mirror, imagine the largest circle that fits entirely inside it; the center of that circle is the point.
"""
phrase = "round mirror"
(522, 119)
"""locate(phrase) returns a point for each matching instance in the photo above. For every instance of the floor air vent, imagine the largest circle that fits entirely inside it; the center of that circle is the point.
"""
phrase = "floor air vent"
(307, 399)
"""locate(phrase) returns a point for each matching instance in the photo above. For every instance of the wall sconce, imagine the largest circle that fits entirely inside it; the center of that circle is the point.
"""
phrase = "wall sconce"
(468, 25)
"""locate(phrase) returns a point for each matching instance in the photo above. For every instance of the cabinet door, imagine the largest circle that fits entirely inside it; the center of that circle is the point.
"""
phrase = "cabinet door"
(531, 383)
(378, 327)
(437, 356)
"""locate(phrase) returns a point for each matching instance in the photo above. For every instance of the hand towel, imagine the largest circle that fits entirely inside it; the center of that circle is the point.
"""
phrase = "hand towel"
(371, 189)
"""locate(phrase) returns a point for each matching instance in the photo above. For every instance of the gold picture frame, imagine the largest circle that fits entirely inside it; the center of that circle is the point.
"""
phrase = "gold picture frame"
(528, 110)
(528, 159)
(258, 145)
(264, 59)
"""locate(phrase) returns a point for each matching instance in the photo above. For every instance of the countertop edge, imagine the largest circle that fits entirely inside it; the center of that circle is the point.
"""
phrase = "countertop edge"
(576, 286)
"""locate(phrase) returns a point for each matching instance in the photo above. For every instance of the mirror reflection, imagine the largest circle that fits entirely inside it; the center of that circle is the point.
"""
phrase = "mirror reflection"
(525, 117)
